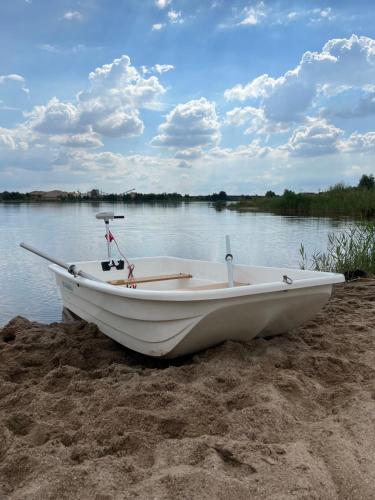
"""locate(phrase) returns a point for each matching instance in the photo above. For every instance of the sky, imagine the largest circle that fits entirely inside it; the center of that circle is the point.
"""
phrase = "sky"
(193, 96)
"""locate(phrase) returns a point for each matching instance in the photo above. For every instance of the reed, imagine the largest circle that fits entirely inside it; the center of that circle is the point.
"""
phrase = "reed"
(339, 200)
(347, 251)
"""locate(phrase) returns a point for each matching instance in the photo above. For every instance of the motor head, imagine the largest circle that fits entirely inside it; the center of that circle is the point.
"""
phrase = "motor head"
(107, 216)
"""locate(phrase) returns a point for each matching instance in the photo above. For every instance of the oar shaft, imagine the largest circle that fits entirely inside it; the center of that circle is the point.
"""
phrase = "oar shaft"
(59, 262)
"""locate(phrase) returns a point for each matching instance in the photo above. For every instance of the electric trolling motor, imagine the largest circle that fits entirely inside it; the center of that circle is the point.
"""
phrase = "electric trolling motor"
(107, 216)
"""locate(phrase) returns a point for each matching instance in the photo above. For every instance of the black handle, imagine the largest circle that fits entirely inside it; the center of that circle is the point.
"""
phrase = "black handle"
(119, 216)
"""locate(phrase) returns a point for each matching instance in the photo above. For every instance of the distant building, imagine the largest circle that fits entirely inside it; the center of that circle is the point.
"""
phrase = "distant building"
(94, 193)
(54, 195)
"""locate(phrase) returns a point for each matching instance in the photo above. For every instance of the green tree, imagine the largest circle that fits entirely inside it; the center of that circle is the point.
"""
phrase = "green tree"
(367, 182)
(270, 194)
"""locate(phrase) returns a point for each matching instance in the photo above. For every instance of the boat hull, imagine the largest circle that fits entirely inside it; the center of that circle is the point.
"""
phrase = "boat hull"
(172, 328)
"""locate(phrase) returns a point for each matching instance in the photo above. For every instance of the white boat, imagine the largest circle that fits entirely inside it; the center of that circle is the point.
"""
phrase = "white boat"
(181, 315)
(169, 307)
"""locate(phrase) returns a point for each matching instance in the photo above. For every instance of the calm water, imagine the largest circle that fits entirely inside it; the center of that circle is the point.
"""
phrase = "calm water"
(195, 230)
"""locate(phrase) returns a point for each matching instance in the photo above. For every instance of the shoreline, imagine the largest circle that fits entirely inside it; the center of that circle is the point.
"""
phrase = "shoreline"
(292, 416)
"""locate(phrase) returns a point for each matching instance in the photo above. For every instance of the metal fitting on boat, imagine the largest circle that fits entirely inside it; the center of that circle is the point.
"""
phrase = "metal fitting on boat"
(73, 270)
(287, 280)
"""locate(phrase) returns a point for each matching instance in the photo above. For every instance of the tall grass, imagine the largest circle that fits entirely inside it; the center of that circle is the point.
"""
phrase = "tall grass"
(347, 251)
(338, 200)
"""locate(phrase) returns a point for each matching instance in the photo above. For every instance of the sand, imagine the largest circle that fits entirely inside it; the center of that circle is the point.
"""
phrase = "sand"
(292, 417)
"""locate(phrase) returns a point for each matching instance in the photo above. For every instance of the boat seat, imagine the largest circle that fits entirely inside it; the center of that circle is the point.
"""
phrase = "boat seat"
(150, 279)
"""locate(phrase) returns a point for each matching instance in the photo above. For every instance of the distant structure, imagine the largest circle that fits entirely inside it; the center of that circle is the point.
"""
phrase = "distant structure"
(53, 195)
(94, 193)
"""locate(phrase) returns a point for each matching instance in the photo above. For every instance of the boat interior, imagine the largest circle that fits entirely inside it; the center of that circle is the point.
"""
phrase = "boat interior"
(169, 273)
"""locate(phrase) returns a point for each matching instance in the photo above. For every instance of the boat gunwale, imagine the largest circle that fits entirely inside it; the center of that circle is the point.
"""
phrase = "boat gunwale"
(322, 279)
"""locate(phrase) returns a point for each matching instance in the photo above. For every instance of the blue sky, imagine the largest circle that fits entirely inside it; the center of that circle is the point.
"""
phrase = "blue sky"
(185, 95)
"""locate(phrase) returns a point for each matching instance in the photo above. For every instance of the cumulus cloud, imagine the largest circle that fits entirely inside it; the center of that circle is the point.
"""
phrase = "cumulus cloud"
(110, 107)
(359, 143)
(120, 123)
(55, 117)
(255, 121)
(318, 137)
(121, 84)
(16, 139)
(61, 136)
(189, 126)
(240, 116)
(342, 63)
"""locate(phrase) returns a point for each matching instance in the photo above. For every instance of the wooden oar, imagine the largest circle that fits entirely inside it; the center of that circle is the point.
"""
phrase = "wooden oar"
(149, 279)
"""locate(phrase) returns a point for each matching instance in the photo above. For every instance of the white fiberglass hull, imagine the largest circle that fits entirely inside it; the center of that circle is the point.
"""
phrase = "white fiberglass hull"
(177, 317)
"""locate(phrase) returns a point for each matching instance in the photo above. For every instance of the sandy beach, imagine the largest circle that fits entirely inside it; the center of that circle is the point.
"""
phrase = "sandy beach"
(291, 417)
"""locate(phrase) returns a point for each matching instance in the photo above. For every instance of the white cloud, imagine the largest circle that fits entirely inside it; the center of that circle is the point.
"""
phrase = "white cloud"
(275, 14)
(259, 87)
(73, 15)
(14, 77)
(255, 121)
(86, 140)
(158, 26)
(189, 154)
(110, 107)
(310, 16)
(253, 15)
(240, 116)
(359, 143)
(7, 139)
(163, 68)
(162, 4)
(120, 83)
(54, 118)
(16, 139)
(175, 17)
(342, 63)
(317, 15)
(318, 137)
(189, 126)
(120, 123)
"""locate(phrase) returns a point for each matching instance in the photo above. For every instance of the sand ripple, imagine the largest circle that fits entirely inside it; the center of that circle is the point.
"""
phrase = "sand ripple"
(290, 417)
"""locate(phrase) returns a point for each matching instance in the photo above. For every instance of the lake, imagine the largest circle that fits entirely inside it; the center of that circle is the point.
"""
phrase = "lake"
(193, 230)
